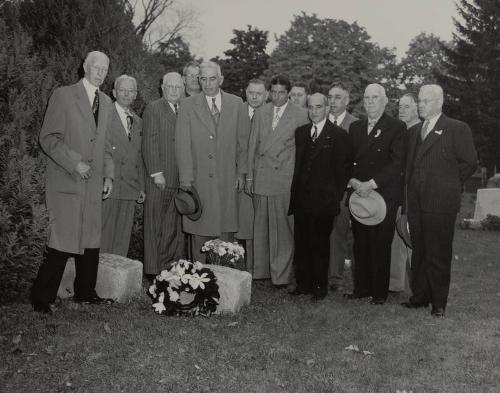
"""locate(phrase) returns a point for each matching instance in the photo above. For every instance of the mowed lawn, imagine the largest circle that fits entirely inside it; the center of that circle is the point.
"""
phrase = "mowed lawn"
(277, 344)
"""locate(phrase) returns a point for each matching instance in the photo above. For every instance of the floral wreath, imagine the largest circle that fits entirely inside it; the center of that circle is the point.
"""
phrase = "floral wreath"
(187, 288)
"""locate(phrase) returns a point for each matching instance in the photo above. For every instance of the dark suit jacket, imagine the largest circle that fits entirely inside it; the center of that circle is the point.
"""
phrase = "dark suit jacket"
(348, 120)
(328, 173)
(158, 142)
(381, 155)
(445, 159)
(127, 157)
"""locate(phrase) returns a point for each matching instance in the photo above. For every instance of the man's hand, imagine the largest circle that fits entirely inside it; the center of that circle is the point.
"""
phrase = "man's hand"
(159, 181)
(142, 197)
(364, 189)
(240, 182)
(108, 186)
(249, 187)
(83, 170)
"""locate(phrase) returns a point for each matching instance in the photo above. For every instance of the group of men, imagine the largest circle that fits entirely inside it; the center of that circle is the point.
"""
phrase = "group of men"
(275, 173)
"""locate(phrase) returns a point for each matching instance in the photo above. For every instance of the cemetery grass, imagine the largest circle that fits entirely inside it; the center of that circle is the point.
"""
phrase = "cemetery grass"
(278, 343)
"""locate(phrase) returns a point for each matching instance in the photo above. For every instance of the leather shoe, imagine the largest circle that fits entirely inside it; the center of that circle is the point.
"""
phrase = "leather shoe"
(414, 305)
(437, 312)
(298, 291)
(354, 296)
(377, 301)
(43, 308)
(95, 300)
(319, 294)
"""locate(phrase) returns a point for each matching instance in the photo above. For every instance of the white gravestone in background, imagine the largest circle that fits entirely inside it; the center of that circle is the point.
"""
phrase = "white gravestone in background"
(118, 278)
(235, 288)
(487, 202)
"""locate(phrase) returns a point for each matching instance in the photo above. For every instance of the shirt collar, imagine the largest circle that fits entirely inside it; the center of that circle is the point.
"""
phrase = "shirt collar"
(340, 118)
(90, 89)
(218, 100)
(121, 109)
(372, 122)
(282, 108)
(433, 120)
(319, 126)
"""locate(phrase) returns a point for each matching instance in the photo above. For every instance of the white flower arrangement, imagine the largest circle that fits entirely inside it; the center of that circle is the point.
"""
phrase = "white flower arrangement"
(223, 253)
(185, 280)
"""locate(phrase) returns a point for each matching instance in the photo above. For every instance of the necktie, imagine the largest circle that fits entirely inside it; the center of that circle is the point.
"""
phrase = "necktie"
(315, 134)
(252, 112)
(130, 121)
(95, 107)
(176, 109)
(215, 111)
(371, 124)
(276, 117)
(335, 121)
(423, 132)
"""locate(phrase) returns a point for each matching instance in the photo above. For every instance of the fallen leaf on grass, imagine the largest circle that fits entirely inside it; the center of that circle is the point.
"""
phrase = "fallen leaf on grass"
(164, 380)
(231, 324)
(107, 329)
(16, 340)
(197, 367)
(310, 362)
(355, 348)
(368, 353)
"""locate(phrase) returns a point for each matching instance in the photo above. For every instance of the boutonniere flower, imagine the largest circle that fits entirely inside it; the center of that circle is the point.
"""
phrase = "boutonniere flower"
(377, 134)
(439, 132)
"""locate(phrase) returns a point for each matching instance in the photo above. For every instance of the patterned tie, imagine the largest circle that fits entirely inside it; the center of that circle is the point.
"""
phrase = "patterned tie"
(276, 117)
(95, 107)
(424, 131)
(371, 124)
(176, 109)
(215, 111)
(315, 134)
(130, 121)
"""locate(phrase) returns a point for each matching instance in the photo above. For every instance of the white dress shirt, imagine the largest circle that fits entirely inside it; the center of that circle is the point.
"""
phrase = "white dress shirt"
(319, 127)
(340, 118)
(90, 89)
(123, 113)
(431, 123)
(218, 101)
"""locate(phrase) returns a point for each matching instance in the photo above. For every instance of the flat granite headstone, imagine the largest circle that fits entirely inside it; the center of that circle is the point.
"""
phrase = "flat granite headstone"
(487, 202)
(118, 278)
(235, 288)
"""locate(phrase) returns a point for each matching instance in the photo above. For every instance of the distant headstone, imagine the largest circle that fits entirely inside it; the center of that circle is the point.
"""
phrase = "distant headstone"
(487, 202)
(235, 288)
(118, 278)
(494, 181)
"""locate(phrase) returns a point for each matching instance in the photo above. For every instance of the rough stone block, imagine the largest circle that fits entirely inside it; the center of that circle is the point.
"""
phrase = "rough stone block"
(487, 202)
(118, 278)
(235, 288)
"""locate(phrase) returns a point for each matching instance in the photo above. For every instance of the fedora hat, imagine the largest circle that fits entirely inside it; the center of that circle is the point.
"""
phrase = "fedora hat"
(403, 229)
(368, 210)
(188, 203)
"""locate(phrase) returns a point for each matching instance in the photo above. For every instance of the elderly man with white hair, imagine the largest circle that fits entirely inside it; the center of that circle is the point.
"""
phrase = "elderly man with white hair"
(379, 153)
(211, 147)
(441, 156)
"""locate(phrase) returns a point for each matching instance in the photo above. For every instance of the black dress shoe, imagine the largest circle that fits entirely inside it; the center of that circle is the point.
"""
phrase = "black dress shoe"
(377, 301)
(298, 291)
(414, 305)
(353, 296)
(437, 312)
(94, 300)
(43, 308)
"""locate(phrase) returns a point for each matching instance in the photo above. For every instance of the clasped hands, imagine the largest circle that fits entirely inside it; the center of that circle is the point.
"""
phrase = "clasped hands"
(85, 171)
(362, 188)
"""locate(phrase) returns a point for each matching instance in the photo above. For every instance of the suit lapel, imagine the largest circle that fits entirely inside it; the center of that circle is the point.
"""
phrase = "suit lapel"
(368, 140)
(324, 138)
(432, 137)
(83, 103)
(274, 135)
(203, 112)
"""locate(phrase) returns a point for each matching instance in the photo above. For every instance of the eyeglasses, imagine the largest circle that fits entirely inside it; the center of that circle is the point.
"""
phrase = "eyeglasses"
(127, 91)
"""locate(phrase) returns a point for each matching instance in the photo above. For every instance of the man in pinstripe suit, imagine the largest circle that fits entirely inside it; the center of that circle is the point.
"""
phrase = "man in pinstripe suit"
(124, 136)
(163, 239)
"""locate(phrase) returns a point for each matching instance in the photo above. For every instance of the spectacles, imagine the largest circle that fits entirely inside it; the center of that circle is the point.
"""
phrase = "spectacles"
(127, 91)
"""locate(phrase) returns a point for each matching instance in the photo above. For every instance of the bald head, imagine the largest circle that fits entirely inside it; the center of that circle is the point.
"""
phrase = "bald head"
(430, 101)
(317, 106)
(374, 100)
(96, 66)
(172, 87)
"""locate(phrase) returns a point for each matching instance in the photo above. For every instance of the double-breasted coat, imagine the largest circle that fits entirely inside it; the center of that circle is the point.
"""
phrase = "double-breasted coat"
(69, 135)
(210, 156)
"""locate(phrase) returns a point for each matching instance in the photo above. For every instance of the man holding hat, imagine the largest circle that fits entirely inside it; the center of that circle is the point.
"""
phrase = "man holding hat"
(379, 148)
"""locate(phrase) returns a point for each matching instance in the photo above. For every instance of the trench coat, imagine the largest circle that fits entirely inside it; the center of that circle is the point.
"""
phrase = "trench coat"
(210, 156)
(69, 135)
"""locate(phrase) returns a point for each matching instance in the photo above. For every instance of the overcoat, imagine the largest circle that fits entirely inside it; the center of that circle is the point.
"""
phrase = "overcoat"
(69, 135)
(127, 158)
(271, 153)
(210, 156)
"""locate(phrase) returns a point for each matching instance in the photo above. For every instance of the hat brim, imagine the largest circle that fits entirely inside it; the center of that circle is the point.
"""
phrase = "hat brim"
(403, 230)
(180, 203)
(380, 213)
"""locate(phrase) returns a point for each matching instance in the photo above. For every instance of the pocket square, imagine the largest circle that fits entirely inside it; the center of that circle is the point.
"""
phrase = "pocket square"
(439, 132)
(377, 134)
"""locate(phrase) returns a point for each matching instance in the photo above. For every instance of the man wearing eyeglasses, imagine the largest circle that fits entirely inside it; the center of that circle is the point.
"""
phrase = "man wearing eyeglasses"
(125, 138)
(211, 138)
(190, 74)
(163, 239)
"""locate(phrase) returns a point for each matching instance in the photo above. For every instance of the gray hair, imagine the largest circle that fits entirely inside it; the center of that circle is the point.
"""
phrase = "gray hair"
(380, 88)
(325, 99)
(123, 78)
(436, 90)
(170, 74)
(211, 64)
(91, 55)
